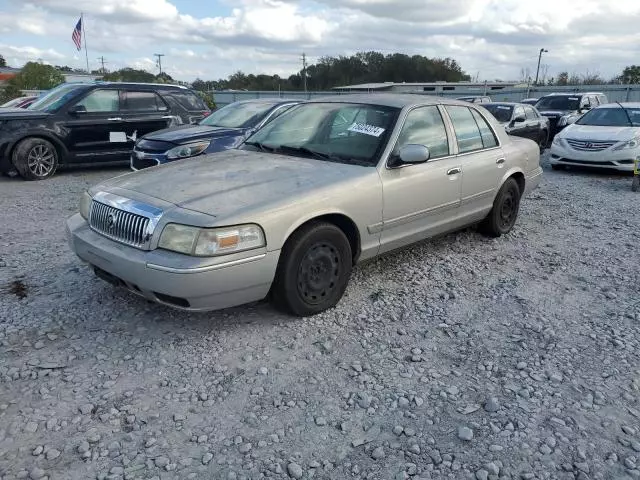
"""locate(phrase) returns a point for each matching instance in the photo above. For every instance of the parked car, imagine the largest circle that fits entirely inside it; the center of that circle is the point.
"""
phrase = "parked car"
(563, 109)
(20, 102)
(333, 182)
(530, 101)
(88, 124)
(521, 120)
(607, 136)
(475, 99)
(225, 128)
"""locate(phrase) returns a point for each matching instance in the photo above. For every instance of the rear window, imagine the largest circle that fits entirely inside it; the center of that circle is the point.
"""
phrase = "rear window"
(189, 100)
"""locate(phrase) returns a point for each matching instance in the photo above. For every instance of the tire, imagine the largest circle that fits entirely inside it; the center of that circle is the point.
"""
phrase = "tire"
(504, 213)
(635, 185)
(557, 167)
(35, 159)
(543, 139)
(313, 271)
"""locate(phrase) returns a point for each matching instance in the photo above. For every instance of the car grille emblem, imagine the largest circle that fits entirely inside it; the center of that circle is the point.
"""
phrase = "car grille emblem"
(111, 222)
(588, 145)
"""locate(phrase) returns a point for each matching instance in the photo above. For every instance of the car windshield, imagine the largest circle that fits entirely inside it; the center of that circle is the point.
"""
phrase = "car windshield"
(55, 98)
(501, 112)
(13, 102)
(558, 103)
(238, 115)
(611, 117)
(331, 131)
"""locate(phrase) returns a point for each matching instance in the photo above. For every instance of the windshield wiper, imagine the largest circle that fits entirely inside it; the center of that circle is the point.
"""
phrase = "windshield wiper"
(261, 146)
(324, 156)
(627, 114)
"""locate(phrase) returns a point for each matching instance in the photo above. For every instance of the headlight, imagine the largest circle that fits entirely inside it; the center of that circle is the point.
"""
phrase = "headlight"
(210, 242)
(556, 140)
(633, 143)
(188, 150)
(85, 204)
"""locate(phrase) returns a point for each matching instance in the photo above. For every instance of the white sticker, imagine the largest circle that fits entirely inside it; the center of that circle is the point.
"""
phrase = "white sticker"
(366, 129)
(502, 107)
(574, 98)
(118, 137)
(635, 112)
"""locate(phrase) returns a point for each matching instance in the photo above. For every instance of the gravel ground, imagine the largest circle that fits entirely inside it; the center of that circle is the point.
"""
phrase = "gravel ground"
(464, 357)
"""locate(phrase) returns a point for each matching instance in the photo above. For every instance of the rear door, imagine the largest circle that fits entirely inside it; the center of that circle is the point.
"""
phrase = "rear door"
(519, 128)
(533, 123)
(96, 128)
(143, 111)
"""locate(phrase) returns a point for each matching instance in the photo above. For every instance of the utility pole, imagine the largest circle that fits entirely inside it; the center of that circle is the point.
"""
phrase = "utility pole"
(542, 50)
(159, 61)
(102, 62)
(304, 71)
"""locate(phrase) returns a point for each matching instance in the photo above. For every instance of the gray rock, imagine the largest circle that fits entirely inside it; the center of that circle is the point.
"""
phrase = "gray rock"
(161, 462)
(206, 458)
(83, 447)
(52, 454)
(465, 433)
(245, 448)
(36, 473)
(397, 430)
(294, 470)
(482, 475)
(321, 421)
(492, 405)
(378, 453)
(86, 409)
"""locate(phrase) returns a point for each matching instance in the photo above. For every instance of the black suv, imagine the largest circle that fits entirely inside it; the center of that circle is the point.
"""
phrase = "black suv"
(90, 123)
(563, 109)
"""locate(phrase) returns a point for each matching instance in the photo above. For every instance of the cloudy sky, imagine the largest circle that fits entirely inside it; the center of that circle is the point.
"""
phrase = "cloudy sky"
(210, 39)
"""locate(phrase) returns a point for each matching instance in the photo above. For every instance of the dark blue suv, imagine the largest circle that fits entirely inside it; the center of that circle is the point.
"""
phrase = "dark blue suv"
(223, 129)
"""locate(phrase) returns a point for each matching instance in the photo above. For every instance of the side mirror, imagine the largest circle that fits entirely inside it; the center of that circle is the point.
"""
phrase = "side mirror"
(77, 109)
(519, 119)
(412, 154)
(585, 108)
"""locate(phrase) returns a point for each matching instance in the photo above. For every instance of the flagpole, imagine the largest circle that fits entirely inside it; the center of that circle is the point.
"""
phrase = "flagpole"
(84, 33)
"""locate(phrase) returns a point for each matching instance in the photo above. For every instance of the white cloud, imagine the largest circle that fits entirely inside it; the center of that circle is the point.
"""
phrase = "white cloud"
(493, 37)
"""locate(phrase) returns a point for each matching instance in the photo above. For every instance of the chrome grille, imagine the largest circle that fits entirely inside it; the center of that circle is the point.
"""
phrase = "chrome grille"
(589, 146)
(118, 225)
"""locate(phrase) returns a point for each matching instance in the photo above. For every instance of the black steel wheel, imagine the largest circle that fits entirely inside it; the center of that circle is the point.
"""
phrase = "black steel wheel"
(504, 213)
(35, 159)
(313, 271)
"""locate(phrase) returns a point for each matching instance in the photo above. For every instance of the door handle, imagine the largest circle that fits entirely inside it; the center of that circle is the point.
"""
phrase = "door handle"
(454, 170)
(500, 161)
(114, 119)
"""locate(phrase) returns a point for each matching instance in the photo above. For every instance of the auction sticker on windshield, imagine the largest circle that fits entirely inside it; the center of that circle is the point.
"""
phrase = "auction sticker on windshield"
(366, 129)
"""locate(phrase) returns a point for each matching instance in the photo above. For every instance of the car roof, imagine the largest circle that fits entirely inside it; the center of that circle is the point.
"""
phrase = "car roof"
(398, 100)
(272, 100)
(510, 104)
(620, 105)
(572, 94)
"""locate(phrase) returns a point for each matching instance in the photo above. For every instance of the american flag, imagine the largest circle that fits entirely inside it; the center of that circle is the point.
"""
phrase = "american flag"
(77, 34)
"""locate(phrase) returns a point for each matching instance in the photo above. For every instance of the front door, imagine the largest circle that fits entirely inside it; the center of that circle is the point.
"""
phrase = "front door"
(96, 128)
(420, 200)
(143, 112)
(481, 160)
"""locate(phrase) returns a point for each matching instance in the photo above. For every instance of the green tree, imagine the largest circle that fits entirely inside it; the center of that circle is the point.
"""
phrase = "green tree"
(563, 79)
(130, 75)
(3, 62)
(33, 76)
(631, 74)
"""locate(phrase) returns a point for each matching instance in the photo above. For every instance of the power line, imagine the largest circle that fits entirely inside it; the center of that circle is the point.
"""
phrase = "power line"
(159, 61)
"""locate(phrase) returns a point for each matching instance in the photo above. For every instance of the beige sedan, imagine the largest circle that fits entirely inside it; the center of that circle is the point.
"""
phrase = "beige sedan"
(328, 184)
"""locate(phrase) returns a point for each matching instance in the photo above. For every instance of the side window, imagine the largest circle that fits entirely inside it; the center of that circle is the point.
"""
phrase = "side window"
(100, 101)
(486, 133)
(584, 102)
(142, 102)
(531, 113)
(519, 111)
(466, 129)
(424, 126)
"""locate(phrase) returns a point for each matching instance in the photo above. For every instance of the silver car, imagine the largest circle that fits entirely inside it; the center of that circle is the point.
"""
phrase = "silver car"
(328, 184)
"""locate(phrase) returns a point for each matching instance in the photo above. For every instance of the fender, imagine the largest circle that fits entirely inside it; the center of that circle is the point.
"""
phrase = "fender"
(510, 173)
(39, 133)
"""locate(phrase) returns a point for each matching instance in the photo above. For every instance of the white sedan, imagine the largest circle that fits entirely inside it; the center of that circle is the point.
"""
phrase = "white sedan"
(608, 136)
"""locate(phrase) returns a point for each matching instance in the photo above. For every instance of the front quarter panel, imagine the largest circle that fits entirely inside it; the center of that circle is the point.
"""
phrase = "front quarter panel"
(13, 131)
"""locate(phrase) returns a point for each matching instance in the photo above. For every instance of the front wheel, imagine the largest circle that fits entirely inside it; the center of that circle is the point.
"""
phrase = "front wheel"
(35, 159)
(313, 271)
(504, 213)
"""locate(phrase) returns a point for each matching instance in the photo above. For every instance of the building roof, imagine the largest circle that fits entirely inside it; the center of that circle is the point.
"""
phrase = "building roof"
(388, 85)
(398, 100)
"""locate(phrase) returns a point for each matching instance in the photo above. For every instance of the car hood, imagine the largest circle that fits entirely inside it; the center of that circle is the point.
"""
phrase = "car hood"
(188, 133)
(593, 132)
(233, 181)
(21, 114)
(555, 113)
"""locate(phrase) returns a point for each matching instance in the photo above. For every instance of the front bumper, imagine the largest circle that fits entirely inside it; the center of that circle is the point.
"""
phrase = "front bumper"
(140, 160)
(173, 279)
(622, 160)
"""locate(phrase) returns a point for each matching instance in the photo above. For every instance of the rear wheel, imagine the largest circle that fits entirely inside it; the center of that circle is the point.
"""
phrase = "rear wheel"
(504, 213)
(313, 271)
(35, 159)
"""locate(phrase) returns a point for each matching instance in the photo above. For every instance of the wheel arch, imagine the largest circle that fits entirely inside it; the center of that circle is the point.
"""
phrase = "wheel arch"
(340, 220)
(518, 176)
(61, 150)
